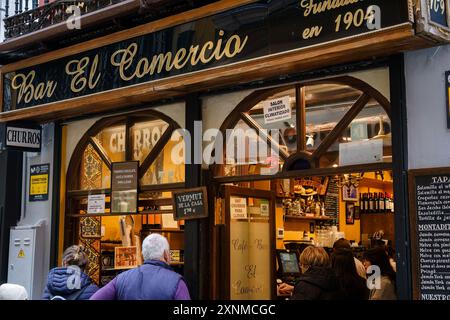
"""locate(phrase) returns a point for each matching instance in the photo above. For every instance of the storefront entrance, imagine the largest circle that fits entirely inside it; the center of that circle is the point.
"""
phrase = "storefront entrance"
(326, 173)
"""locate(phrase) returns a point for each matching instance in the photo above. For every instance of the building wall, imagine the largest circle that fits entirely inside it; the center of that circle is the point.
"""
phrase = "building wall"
(34, 212)
(428, 136)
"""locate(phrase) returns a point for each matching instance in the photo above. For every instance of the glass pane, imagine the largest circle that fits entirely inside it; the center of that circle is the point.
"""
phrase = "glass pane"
(286, 127)
(249, 249)
(246, 153)
(366, 140)
(168, 166)
(94, 172)
(326, 105)
(144, 137)
(113, 140)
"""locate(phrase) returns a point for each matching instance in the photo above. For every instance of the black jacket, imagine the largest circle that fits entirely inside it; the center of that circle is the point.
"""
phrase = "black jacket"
(317, 283)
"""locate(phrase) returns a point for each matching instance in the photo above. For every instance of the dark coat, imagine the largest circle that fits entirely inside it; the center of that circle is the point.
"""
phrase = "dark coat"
(317, 283)
(57, 285)
(154, 280)
(354, 289)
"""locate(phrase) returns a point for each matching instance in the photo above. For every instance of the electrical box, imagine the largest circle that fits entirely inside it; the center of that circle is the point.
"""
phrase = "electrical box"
(26, 261)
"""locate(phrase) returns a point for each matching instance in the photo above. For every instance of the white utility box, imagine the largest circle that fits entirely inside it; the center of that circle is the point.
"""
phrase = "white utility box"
(26, 263)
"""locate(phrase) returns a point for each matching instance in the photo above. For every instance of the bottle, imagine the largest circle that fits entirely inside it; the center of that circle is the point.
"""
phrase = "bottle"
(376, 204)
(392, 203)
(361, 202)
(365, 203)
(382, 203)
(371, 203)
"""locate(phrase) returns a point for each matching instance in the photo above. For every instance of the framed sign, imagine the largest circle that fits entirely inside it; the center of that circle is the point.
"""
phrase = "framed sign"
(124, 187)
(39, 179)
(349, 213)
(433, 19)
(190, 204)
(125, 257)
(429, 196)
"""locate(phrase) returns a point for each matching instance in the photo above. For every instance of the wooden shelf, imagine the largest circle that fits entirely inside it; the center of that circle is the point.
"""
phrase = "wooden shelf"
(119, 214)
(375, 183)
(166, 230)
(308, 218)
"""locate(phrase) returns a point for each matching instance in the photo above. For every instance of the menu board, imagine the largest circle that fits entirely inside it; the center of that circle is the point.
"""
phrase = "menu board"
(430, 230)
(190, 204)
(124, 187)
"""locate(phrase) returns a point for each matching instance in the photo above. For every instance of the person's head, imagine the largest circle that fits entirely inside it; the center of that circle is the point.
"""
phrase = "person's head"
(378, 257)
(343, 262)
(314, 257)
(9, 291)
(341, 244)
(75, 256)
(156, 247)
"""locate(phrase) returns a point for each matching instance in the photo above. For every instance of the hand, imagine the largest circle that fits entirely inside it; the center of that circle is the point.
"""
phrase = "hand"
(284, 288)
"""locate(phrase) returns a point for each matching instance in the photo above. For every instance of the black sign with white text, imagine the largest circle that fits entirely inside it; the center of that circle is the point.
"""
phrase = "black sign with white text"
(432, 232)
(190, 204)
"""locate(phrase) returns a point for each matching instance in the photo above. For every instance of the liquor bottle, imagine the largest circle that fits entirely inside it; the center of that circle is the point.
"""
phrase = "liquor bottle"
(376, 202)
(382, 203)
(392, 203)
(361, 202)
(371, 203)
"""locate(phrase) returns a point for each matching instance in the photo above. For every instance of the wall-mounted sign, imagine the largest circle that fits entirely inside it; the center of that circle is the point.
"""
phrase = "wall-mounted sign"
(21, 137)
(96, 203)
(447, 95)
(438, 12)
(39, 181)
(255, 30)
(429, 194)
(190, 204)
(432, 19)
(277, 110)
(238, 208)
(124, 187)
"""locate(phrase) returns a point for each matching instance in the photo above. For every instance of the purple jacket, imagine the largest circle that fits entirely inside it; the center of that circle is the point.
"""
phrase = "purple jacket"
(154, 280)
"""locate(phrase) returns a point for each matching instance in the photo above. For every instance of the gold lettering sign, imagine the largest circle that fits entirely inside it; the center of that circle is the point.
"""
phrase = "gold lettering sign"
(28, 91)
(79, 81)
(123, 58)
(312, 7)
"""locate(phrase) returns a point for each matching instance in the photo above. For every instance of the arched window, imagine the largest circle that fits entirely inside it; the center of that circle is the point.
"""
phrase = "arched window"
(325, 115)
(143, 137)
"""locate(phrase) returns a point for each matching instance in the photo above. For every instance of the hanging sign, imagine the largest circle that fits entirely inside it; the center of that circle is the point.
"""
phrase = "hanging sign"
(21, 137)
(438, 12)
(190, 204)
(124, 187)
(96, 203)
(277, 110)
(39, 182)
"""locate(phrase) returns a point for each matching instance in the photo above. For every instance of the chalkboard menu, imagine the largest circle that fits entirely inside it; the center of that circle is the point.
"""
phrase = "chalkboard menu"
(430, 230)
(190, 204)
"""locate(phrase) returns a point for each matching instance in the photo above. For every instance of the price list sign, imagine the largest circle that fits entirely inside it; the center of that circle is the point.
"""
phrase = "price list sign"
(190, 204)
(430, 197)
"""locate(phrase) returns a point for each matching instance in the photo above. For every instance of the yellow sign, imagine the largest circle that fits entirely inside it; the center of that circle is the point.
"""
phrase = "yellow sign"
(39, 184)
(21, 254)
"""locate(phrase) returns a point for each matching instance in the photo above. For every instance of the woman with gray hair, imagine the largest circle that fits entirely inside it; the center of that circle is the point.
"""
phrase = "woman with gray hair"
(154, 280)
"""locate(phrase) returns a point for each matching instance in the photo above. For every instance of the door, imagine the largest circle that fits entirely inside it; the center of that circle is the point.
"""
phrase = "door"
(250, 244)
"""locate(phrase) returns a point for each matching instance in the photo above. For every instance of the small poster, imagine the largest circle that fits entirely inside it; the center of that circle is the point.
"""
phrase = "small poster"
(39, 176)
(96, 203)
(124, 185)
(238, 208)
(125, 257)
(277, 110)
(265, 208)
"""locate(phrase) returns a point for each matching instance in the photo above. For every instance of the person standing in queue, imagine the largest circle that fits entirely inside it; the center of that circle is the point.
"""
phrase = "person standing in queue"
(69, 282)
(154, 280)
(318, 281)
